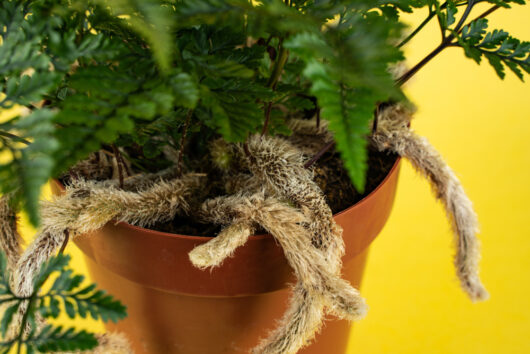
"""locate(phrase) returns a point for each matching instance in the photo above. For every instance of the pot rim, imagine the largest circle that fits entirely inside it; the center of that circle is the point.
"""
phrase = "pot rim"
(260, 236)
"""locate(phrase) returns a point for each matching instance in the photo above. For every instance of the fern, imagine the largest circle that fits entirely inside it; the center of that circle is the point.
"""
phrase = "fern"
(151, 19)
(143, 76)
(66, 293)
(30, 162)
(348, 80)
(52, 339)
(501, 49)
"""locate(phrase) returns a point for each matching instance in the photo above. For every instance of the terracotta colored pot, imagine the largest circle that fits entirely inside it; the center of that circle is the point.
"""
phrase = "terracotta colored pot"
(174, 307)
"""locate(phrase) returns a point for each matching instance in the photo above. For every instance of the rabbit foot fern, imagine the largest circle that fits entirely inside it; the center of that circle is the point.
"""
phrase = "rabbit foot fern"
(85, 206)
(23, 325)
(270, 188)
(394, 134)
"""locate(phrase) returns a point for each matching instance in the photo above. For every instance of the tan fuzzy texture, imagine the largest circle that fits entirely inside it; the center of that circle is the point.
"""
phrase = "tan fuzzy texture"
(307, 136)
(303, 318)
(398, 69)
(97, 166)
(322, 287)
(215, 251)
(269, 188)
(101, 166)
(221, 154)
(10, 244)
(309, 127)
(280, 166)
(310, 238)
(87, 206)
(393, 133)
(10, 240)
(111, 343)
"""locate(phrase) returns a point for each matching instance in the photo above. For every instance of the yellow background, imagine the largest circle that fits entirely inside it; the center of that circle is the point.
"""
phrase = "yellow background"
(481, 125)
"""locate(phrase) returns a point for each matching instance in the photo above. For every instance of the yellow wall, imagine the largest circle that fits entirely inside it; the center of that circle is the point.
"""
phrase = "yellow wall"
(481, 125)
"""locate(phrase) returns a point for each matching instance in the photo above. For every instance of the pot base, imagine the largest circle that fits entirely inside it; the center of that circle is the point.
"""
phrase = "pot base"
(160, 322)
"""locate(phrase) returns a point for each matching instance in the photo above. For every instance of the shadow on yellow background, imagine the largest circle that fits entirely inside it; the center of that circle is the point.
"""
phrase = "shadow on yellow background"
(482, 126)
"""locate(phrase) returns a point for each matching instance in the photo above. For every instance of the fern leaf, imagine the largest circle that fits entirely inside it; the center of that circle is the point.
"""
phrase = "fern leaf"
(55, 339)
(30, 166)
(501, 49)
(151, 19)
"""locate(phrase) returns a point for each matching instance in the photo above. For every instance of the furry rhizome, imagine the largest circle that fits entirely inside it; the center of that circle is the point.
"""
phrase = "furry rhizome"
(86, 206)
(268, 187)
(281, 197)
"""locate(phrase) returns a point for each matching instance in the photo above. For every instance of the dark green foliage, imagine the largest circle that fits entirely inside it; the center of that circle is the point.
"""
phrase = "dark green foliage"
(66, 293)
(138, 75)
(54, 339)
(348, 68)
(497, 46)
(29, 165)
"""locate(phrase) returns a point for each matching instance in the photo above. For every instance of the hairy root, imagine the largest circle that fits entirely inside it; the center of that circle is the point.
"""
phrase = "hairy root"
(112, 343)
(10, 240)
(393, 133)
(280, 166)
(298, 326)
(321, 286)
(307, 136)
(87, 206)
(269, 188)
(215, 251)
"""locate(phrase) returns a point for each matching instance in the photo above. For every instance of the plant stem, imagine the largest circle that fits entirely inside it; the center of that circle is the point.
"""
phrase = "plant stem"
(319, 154)
(273, 81)
(419, 28)
(406, 76)
(438, 16)
(14, 137)
(20, 336)
(32, 299)
(65, 242)
(445, 43)
(183, 141)
(278, 66)
(118, 163)
(484, 14)
(467, 11)
(268, 110)
(246, 148)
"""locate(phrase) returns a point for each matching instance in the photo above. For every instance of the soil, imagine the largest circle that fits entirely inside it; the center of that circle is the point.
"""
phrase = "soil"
(331, 177)
(329, 174)
(334, 181)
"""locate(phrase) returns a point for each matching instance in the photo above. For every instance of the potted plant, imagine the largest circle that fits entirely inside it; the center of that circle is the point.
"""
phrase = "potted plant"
(205, 155)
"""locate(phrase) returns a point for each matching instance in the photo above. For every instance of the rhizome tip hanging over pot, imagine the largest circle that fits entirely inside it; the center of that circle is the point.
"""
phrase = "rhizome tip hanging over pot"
(270, 187)
(215, 118)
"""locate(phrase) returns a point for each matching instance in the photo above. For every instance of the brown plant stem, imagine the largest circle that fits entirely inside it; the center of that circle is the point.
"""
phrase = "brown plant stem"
(447, 42)
(118, 163)
(182, 142)
(484, 14)
(406, 76)
(65, 242)
(419, 28)
(319, 154)
(273, 81)
(268, 109)
(246, 148)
